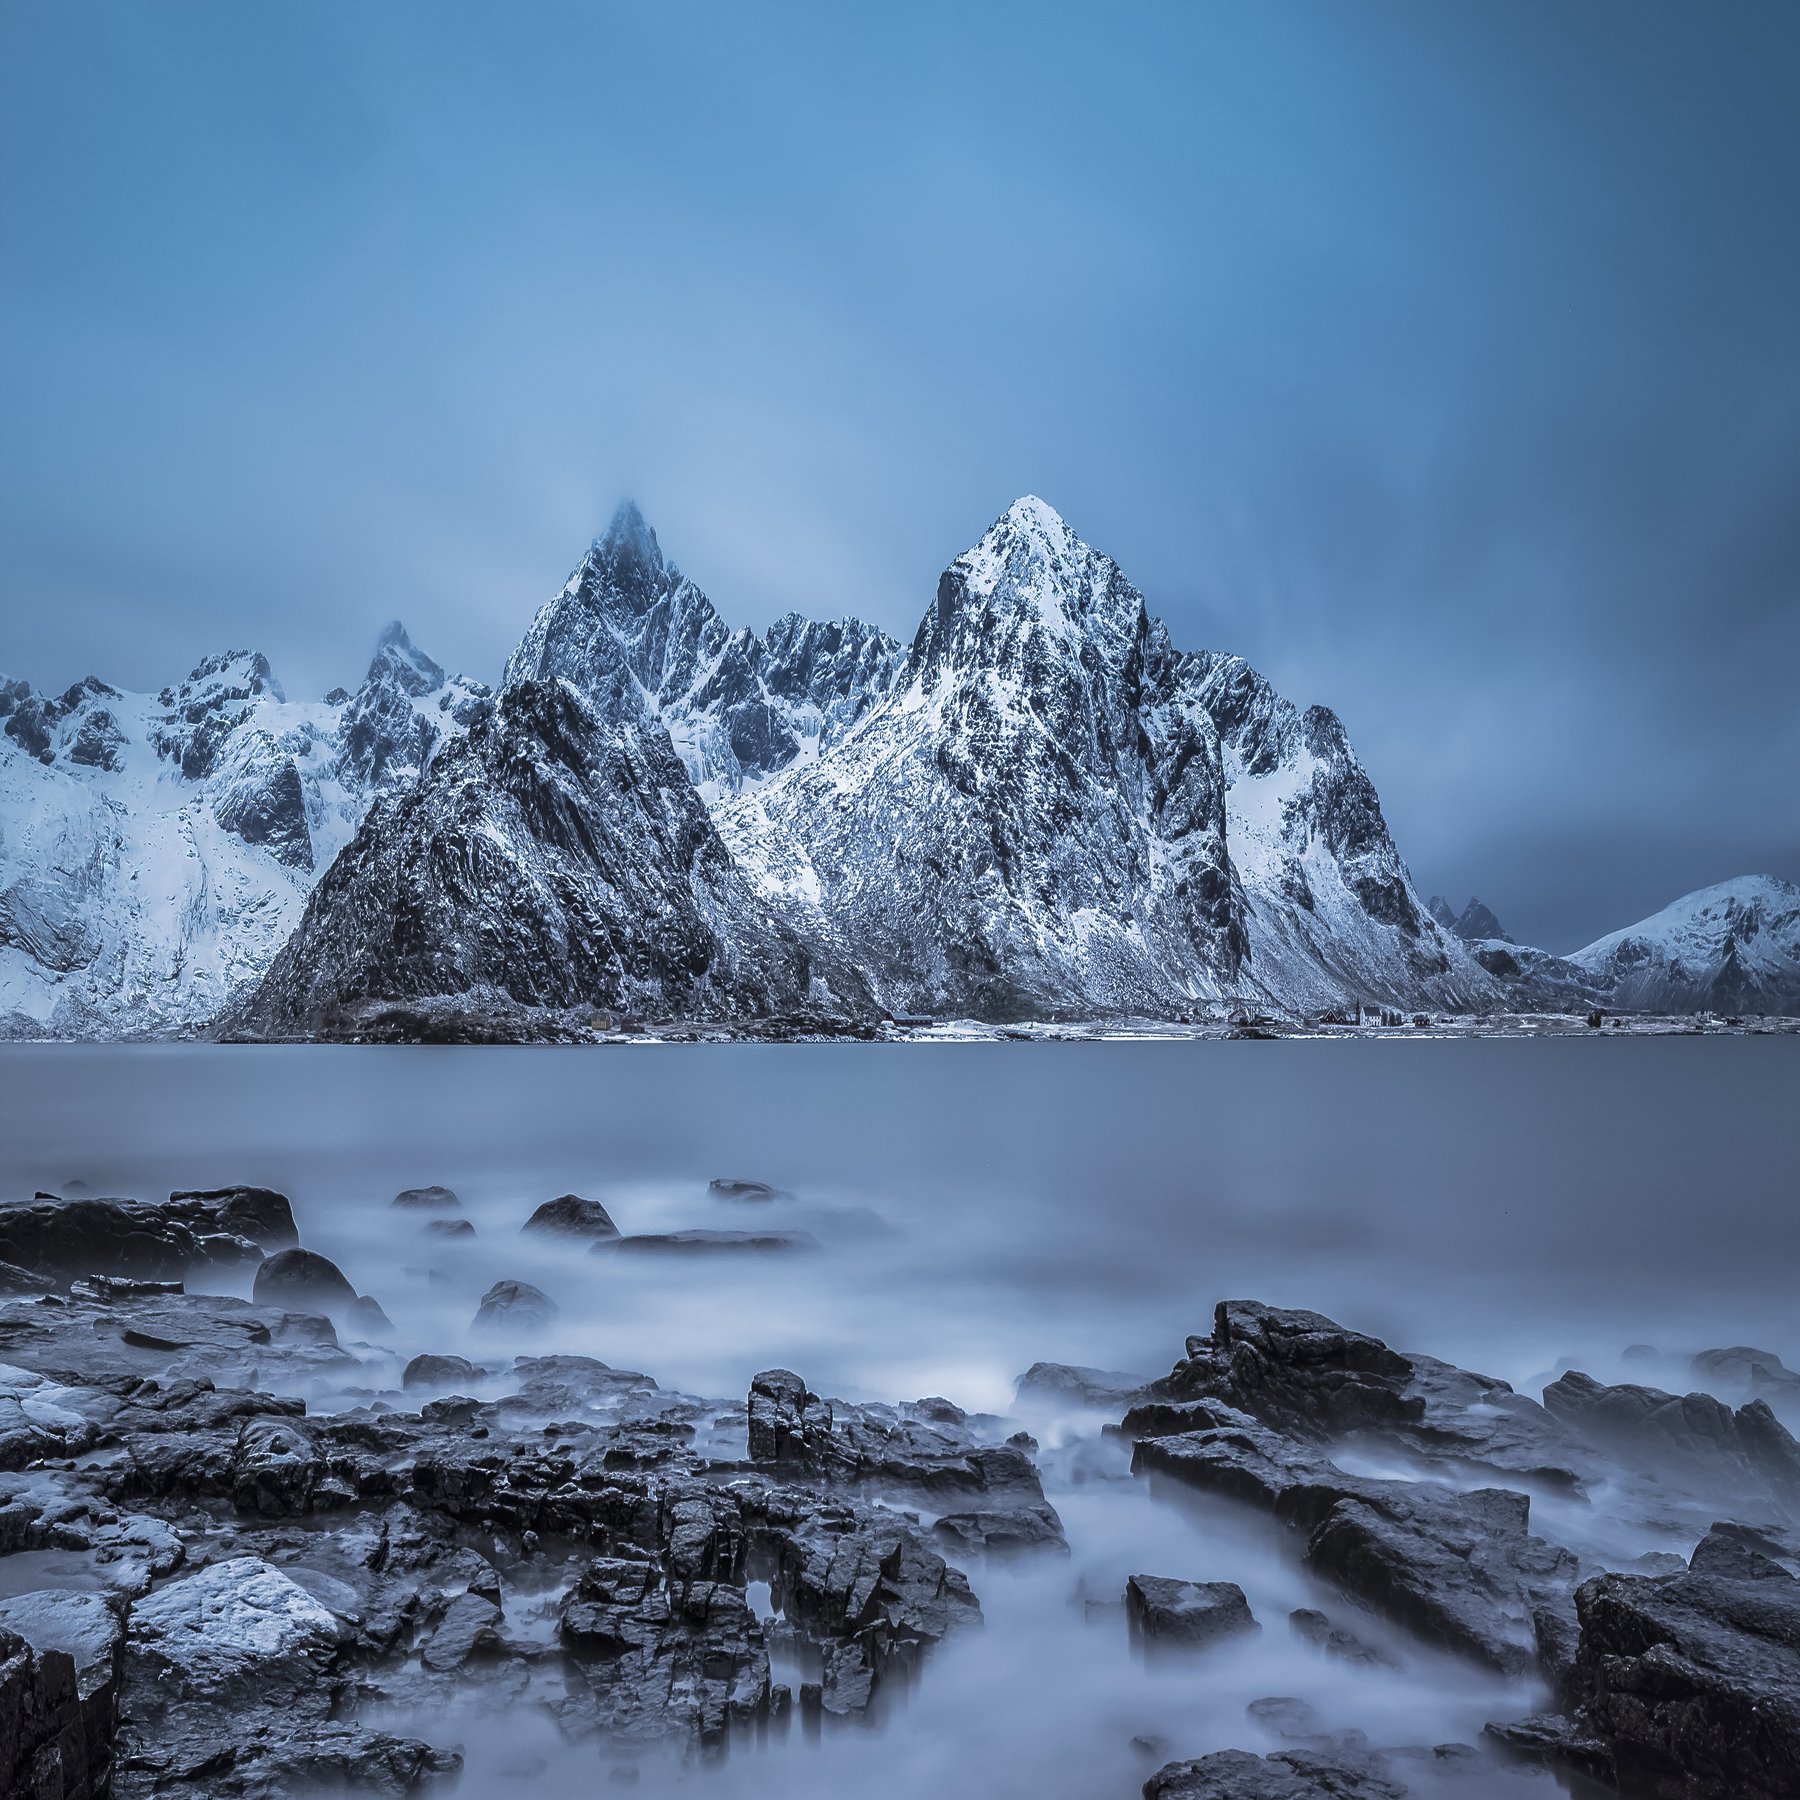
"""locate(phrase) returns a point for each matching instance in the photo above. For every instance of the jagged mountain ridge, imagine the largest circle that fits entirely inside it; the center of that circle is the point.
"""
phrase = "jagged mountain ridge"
(156, 849)
(1058, 811)
(557, 855)
(1039, 808)
(737, 707)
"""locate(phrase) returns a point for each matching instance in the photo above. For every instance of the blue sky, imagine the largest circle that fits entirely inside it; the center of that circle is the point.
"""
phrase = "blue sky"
(1443, 360)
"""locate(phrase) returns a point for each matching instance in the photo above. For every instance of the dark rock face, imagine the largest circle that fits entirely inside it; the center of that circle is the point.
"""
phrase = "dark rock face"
(1166, 1614)
(514, 1305)
(1693, 1682)
(59, 1696)
(266, 805)
(929, 1447)
(572, 1216)
(305, 1281)
(738, 707)
(550, 858)
(1305, 1374)
(1249, 1414)
(190, 1235)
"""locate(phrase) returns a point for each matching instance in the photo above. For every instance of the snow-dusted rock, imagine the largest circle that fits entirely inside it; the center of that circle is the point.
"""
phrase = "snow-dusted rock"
(735, 709)
(1732, 948)
(551, 858)
(207, 1633)
(156, 850)
(1060, 813)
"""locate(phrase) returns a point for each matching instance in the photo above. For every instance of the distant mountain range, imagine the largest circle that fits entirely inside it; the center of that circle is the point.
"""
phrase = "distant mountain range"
(1039, 809)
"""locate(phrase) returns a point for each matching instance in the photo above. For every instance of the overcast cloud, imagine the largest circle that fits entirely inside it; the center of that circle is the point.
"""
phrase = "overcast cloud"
(1445, 361)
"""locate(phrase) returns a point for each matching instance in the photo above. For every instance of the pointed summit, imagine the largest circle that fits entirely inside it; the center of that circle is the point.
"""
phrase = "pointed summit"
(628, 539)
(398, 659)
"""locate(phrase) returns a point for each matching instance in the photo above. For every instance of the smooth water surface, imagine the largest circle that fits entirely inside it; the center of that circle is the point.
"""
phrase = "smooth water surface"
(1515, 1206)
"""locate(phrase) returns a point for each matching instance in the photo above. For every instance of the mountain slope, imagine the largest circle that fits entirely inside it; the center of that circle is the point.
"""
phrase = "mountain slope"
(1730, 948)
(1034, 823)
(1061, 813)
(156, 850)
(555, 856)
(736, 709)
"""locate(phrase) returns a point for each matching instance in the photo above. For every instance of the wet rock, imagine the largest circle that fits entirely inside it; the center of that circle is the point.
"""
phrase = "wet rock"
(929, 1448)
(789, 1424)
(1285, 1775)
(1316, 1629)
(1166, 1614)
(514, 1305)
(1736, 1553)
(259, 1214)
(450, 1228)
(58, 1241)
(435, 1373)
(59, 1667)
(708, 1243)
(470, 1627)
(572, 1216)
(305, 1281)
(998, 1532)
(1740, 1369)
(1693, 1682)
(1461, 1570)
(1308, 1377)
(428, 1199)
(723, 1187)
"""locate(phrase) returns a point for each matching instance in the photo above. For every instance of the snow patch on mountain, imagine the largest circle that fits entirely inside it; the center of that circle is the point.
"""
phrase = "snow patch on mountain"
(1734, 947)
(156, 850)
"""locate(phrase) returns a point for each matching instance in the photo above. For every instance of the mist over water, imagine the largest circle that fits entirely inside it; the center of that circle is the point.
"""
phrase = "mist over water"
(1514, 1206)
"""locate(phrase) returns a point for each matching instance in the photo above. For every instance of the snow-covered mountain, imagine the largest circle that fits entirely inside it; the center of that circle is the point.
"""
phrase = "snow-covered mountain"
(156, 849)
(736, 707)
(1040, 808)
(1730, 948)
(555, 856)
(1057, 812)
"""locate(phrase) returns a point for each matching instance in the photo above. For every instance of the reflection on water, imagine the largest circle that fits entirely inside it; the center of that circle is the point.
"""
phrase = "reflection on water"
(1512, 1206)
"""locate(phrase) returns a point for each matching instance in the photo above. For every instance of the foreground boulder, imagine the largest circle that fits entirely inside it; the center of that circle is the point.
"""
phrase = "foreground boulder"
(572, 1216)
(219, 1232)
(1685, 1685)
(305, 1281)
(1167, 1614)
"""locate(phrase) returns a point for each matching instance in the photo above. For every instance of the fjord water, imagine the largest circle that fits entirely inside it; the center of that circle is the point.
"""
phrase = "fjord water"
(1514, 1206)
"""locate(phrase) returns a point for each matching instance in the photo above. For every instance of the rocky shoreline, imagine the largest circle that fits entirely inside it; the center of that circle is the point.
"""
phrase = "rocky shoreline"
(210, 1587)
